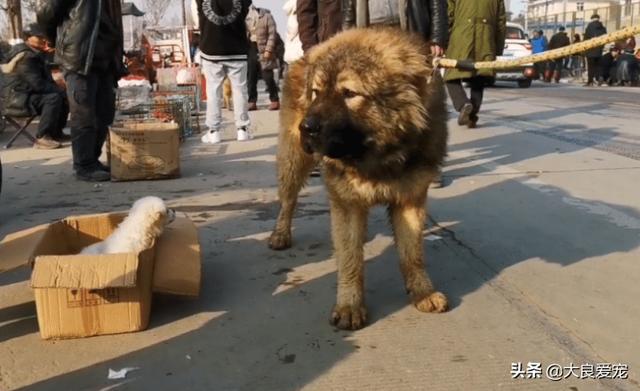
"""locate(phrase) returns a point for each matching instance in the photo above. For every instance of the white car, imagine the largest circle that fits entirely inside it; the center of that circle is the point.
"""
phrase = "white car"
(516, 45)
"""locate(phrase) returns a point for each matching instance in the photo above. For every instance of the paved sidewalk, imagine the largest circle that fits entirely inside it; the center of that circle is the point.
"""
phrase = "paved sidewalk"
(537, 237)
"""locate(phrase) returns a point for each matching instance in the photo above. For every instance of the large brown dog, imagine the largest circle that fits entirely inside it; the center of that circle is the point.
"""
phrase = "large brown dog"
(368, 105)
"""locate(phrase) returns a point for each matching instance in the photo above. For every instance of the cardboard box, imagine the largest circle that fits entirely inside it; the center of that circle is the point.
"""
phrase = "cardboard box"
(84, 295)
(139, 151)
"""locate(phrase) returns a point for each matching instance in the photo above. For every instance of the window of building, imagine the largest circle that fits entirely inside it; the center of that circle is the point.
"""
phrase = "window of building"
(580, 5)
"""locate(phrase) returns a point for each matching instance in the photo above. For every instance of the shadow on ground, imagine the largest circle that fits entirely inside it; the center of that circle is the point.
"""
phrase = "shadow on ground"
(258, 339)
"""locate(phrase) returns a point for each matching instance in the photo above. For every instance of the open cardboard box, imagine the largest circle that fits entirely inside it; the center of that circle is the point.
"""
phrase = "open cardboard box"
(84, 295)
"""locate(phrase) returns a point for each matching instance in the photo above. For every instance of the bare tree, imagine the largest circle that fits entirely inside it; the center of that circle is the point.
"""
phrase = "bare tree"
(29, 5)
(155, 10)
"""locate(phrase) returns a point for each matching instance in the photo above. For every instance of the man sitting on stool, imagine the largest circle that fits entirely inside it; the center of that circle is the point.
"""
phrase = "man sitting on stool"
(29, 89)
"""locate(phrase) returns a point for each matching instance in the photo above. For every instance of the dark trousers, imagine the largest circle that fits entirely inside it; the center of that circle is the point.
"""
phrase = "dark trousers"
(53, 110)
(593, 69)
(92, 103)
(540, 67)
(459, 96)
(556, 65)
(252, 76)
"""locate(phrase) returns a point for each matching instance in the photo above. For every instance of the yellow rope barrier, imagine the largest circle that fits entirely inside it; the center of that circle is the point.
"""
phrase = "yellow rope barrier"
(545, 56)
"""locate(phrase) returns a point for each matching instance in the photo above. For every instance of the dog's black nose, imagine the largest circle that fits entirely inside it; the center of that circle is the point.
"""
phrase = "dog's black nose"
(310, 125)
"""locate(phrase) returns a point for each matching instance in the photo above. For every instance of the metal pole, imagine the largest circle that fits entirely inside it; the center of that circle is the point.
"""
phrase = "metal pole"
(564, 13)
(184, 13)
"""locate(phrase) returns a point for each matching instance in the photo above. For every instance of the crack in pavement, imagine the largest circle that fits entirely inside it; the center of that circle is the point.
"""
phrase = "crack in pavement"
(552, 326)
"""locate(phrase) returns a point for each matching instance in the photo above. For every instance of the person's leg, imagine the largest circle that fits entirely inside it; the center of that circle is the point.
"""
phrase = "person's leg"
(460, 101)
(268, 77)
(64, 116)
(457, 94)
(591, 70)
(477, 91)
(105, 110)
(214, 75)
(237, 74)
(597, 69)
(252, 74)
(82, 91)
(49, 106)
(557, 70)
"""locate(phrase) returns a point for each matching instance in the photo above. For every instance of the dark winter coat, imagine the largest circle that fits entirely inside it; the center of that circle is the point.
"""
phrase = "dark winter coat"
(25, 73)
(477, 30)
(559, 40)
(84, 31)
(594, 29)
(425, 17)
(318, 20)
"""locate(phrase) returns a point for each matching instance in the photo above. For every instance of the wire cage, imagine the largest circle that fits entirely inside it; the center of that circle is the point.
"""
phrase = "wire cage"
(171, 108)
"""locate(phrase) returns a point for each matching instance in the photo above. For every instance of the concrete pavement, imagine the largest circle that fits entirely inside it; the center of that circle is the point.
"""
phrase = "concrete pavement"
(535, 240)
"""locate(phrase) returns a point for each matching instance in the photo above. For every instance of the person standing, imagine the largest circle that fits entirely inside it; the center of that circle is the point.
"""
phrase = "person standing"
(262, 34)
(558, 40)
(595, 28)
(223, 53)
(477, 30)
(89, 49)
(539, 45)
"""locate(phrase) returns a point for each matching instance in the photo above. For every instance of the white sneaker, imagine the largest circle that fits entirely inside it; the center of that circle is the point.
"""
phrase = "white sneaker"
(244, 134)
(212, 137)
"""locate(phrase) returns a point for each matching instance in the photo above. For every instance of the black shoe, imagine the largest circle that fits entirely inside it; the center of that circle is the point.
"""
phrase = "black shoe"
(95, 175)
(473, 121)
(104, 167)
(465, 113)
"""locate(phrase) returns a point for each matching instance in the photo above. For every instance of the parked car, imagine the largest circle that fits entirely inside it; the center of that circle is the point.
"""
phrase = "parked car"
(516, 45)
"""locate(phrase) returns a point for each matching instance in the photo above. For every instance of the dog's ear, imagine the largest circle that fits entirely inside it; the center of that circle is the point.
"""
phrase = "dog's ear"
(159, 215)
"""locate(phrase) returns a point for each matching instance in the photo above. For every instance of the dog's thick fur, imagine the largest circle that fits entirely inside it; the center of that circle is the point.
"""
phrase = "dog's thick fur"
(138, 231)
(368, 106)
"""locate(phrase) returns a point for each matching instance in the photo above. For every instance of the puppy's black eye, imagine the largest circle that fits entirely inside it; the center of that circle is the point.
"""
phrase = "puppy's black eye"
(347, 93)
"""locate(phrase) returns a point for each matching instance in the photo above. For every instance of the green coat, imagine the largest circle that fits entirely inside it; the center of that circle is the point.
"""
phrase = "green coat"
(477, 31)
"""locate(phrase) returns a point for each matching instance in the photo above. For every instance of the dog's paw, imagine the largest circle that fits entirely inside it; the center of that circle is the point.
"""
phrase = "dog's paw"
(350, 317)
(433, 302)
(280, 240)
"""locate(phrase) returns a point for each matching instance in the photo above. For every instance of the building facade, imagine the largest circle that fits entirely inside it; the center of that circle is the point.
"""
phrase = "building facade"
(549, 15)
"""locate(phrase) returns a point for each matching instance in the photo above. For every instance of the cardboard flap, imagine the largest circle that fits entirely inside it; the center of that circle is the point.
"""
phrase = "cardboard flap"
(178, 260)
(85, 271)
(19, 248)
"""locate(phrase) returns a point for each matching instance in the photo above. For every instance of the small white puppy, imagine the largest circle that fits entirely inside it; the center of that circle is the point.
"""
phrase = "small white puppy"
(138, 231)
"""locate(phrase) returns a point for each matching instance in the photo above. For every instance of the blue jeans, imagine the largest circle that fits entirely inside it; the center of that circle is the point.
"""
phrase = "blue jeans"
(92, 104)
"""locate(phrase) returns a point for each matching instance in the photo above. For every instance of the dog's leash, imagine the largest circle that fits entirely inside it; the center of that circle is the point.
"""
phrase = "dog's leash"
(554, 54)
